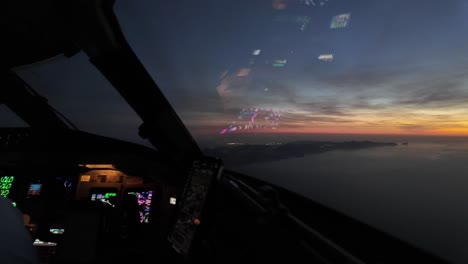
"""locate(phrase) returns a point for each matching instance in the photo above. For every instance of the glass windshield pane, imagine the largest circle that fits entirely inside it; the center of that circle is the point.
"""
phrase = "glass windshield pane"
(82, 94)
(9, 118)
(360, 105)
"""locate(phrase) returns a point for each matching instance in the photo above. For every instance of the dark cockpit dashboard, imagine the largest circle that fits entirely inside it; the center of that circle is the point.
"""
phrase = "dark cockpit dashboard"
(54, 183)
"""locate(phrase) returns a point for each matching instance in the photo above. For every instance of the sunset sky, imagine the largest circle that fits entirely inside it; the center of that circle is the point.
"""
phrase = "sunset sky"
(399, 67)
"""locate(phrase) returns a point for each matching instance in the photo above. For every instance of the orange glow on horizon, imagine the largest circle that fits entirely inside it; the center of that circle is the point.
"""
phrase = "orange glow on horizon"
(461, 132)
(458, 131)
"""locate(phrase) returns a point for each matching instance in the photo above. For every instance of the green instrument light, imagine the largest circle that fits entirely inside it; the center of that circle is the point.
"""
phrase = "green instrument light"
(107, 195)
(5, 185)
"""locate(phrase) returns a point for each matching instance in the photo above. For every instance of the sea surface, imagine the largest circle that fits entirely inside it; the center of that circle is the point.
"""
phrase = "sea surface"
(416, 192)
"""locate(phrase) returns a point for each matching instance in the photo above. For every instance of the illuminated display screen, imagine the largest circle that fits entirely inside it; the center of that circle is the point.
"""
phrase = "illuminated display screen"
(256, 52)
(144, 199)
(254, 118)
(340, 21)
(326, 57)
(6, 182)
(279, 63)
(57, 231)
(34, 189)
(106, 197)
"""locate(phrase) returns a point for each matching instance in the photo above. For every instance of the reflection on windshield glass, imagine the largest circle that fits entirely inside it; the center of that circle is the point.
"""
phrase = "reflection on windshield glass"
(342, 67)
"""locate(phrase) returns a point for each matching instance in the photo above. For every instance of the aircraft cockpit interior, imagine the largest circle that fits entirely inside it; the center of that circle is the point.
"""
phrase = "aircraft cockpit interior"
(80, 212)
(88, 198)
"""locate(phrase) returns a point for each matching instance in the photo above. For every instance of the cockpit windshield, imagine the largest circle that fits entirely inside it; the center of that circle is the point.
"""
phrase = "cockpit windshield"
(75, 88)
(9, 118)
(360, 105)
(243, 69)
